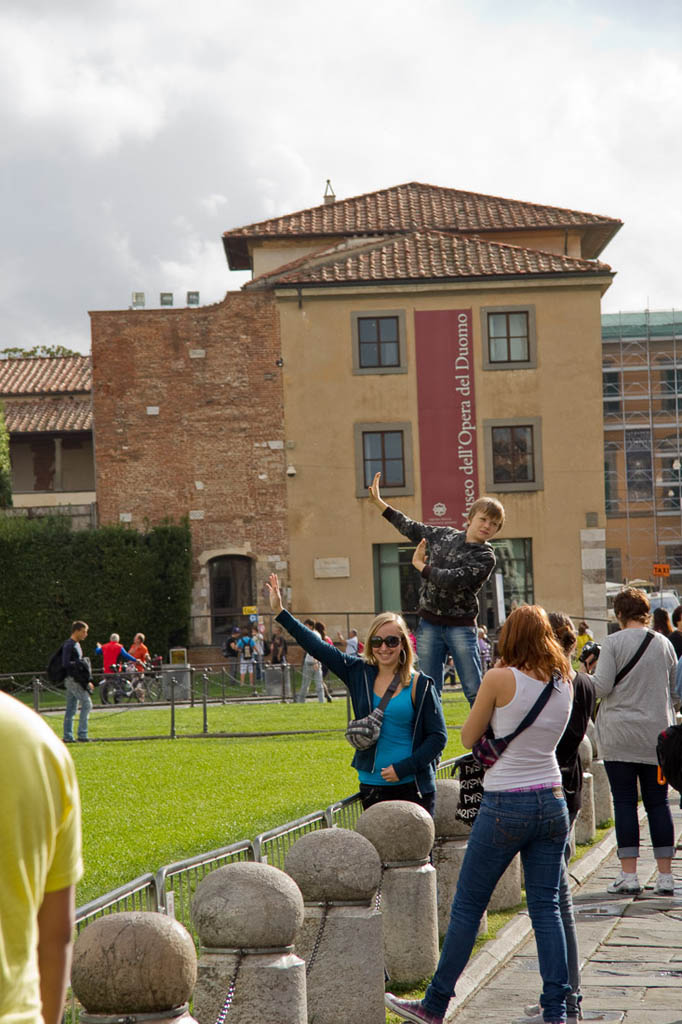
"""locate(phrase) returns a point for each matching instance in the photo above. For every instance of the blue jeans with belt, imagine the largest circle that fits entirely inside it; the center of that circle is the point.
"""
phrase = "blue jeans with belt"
(434, 643)
(536, 825)
(75, 695)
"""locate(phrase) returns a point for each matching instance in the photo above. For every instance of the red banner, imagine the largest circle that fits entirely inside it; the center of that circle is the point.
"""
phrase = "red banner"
(446, 415)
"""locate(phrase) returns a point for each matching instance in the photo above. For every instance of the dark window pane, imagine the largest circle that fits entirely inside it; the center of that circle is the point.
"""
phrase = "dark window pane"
(369, 354)
(388, 328)
(394, 473)
(393, 444)
(372, 445)
(513, 455)
(367, 329)
(383, 453)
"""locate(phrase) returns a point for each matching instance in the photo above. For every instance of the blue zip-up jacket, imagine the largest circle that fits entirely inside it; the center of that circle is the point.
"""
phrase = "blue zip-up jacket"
(429, 734)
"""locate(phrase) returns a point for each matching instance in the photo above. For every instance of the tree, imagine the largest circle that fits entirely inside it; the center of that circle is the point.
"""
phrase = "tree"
(37, 350)
(5, 465)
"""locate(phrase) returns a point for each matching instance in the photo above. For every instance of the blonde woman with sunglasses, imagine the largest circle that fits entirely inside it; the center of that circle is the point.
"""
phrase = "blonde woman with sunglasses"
(402, 764)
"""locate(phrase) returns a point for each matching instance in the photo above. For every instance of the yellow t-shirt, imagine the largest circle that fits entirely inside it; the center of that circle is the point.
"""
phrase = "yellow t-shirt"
(40, 848)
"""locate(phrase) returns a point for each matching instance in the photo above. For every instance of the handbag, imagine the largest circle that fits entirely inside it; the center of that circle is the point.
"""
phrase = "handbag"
(485, 752)
(362, 733)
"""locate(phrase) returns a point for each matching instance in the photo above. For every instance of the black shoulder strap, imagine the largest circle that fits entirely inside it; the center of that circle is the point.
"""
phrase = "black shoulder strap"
(635, 657)
(392, 687)
(534, 711)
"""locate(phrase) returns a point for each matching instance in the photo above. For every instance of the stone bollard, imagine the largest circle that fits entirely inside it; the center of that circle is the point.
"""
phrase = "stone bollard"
(591, 733)
(402, 834)
(449, 850)
(247, 916)
(603, 801)
(341, 938)
(585, 827)
(585, 753)
(134, 963)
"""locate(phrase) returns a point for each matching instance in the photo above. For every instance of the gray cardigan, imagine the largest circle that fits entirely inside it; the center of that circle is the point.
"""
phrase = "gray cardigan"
(632, 714)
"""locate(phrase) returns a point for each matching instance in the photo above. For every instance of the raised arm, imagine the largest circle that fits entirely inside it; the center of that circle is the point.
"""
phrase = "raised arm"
(309, 639)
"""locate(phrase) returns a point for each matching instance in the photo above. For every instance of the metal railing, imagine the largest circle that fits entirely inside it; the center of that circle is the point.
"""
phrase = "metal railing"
(272, 847)
(140, 894)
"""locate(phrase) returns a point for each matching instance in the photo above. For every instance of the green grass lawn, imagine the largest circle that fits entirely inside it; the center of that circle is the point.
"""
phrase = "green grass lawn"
(150, 802)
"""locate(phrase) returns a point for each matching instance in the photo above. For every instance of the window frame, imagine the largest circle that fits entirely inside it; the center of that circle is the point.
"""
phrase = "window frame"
(535, 422)
(514, 364)
(408, 463)
(377, 314)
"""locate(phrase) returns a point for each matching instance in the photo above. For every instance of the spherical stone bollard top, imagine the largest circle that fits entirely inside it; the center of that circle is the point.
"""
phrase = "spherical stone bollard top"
(247, 906)
(398, 830)
(133, 962)
(585, 751)
(446, 824)
(334, 864)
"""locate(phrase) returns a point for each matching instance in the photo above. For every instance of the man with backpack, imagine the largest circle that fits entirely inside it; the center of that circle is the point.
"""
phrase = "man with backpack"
(78, 683)
(246, 648)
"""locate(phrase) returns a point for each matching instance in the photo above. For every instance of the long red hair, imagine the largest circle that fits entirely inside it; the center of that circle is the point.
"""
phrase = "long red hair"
(527, 642)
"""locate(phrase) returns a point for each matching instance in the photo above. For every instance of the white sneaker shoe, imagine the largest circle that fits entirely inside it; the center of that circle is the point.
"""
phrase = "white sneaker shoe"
(665, 885)
(627, 885)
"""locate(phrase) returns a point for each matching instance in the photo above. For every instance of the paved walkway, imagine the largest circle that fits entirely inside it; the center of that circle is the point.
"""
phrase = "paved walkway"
(631, 949)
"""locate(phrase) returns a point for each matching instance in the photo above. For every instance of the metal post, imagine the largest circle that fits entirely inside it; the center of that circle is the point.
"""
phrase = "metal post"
(36, 694)
(172, 696)
(191, 686)
(205, 701)
(222, 682)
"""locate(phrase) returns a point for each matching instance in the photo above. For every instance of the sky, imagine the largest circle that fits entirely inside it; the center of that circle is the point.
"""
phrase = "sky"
(135, 132)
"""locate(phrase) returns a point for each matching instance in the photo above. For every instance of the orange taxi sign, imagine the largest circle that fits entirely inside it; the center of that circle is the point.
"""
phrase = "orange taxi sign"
(661, 569)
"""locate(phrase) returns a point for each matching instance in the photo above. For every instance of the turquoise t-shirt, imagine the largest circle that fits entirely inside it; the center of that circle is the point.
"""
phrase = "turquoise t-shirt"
(395, 739)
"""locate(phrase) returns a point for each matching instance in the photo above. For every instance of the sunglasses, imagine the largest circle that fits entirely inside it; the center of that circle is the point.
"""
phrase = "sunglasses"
(390, 641)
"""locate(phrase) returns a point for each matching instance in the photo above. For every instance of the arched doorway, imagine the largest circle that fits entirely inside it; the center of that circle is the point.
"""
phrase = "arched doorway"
(231, 580)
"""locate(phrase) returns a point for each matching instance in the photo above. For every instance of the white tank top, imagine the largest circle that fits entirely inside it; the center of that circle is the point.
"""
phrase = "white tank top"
(529, 760)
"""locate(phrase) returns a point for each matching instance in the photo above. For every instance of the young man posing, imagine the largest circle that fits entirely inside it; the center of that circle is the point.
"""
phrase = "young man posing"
(460, 561)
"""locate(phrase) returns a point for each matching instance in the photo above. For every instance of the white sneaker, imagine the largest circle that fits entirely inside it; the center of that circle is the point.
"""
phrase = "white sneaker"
(665, 885)
(625, 884)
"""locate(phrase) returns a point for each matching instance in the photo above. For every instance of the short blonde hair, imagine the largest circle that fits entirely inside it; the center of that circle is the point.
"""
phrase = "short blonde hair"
(406, 666)
(490, 507)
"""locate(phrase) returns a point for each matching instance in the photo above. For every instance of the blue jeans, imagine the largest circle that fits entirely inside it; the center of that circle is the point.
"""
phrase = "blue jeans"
(536, 824)
(623, 777)
(75, 695)
(434, 643)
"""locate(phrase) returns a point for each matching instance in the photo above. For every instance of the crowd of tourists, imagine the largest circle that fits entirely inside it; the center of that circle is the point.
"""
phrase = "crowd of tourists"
(530, 789)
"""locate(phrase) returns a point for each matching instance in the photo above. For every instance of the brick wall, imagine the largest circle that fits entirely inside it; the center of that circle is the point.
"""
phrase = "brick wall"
(214, 450)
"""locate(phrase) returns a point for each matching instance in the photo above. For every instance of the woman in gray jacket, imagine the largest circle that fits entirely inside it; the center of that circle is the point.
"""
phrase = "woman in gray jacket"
(633, 711)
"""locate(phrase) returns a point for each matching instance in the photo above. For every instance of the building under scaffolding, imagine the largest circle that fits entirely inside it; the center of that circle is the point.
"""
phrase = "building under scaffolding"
(642, 386)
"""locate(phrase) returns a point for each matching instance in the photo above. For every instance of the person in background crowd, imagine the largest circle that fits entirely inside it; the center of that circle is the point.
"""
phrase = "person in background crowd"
(631, 715)
(40, 864)
(247, 653)
(523, 810)
(661, 623)
(675, 637)
(322, 630)
(139, 650)
(77, 682)
(351, 642)
(278, 647)
(402, 764)
(459, 562)
(568, 756)
(584, 634)
(231, 653)
(311, 669)
(112, 652)
(484, 648)
(258, 651)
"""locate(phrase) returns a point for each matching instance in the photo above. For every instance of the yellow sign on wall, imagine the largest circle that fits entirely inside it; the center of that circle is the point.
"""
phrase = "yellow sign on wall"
(249, 609)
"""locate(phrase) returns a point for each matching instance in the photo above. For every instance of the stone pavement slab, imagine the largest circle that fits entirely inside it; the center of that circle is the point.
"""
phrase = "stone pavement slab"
(631, 949)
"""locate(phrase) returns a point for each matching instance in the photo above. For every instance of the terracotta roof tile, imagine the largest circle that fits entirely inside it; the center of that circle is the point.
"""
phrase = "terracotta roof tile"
(422, 255)
(59, 413)
(415, 206)
(45, 375)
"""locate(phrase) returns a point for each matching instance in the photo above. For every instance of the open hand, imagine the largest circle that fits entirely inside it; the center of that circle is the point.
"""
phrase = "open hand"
(374, 494)
(419, 556)
(274, 593)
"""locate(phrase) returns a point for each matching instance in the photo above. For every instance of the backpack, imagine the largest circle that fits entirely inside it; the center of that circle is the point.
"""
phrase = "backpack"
(55, 671)
(246, 648)
(669, 754)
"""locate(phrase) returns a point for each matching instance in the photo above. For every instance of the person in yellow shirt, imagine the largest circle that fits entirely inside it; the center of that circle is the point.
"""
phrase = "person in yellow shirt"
(40, 863)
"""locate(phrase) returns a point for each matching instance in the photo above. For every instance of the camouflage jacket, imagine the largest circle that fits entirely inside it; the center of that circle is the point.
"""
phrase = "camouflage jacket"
(456, 570)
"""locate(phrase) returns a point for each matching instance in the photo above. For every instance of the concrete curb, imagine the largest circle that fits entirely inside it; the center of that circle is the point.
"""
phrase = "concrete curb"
(499, 950)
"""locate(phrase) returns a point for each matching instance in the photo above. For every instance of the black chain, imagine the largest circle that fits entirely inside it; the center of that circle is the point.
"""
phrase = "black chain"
(316, 944)
(225, 1008)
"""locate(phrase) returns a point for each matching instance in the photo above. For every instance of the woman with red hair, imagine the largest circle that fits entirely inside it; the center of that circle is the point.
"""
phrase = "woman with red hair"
(523, 810)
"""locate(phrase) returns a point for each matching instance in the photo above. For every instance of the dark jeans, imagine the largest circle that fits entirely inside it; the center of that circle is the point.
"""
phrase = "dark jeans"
(623, 776)
(402, 791)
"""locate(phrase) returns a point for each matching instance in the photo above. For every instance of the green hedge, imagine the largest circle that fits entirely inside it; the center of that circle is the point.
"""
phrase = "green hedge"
(117, 579)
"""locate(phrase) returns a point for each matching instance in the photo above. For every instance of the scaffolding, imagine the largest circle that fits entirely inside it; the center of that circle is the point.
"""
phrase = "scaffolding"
(642, 400)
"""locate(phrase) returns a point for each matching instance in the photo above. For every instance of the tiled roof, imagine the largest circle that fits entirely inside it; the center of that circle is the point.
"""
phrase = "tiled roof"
(425, 256)
(415, 206)
(45, 375)
(59, 413)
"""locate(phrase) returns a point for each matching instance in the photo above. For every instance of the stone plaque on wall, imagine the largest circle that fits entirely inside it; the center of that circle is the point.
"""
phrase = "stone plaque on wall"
(326, 568)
